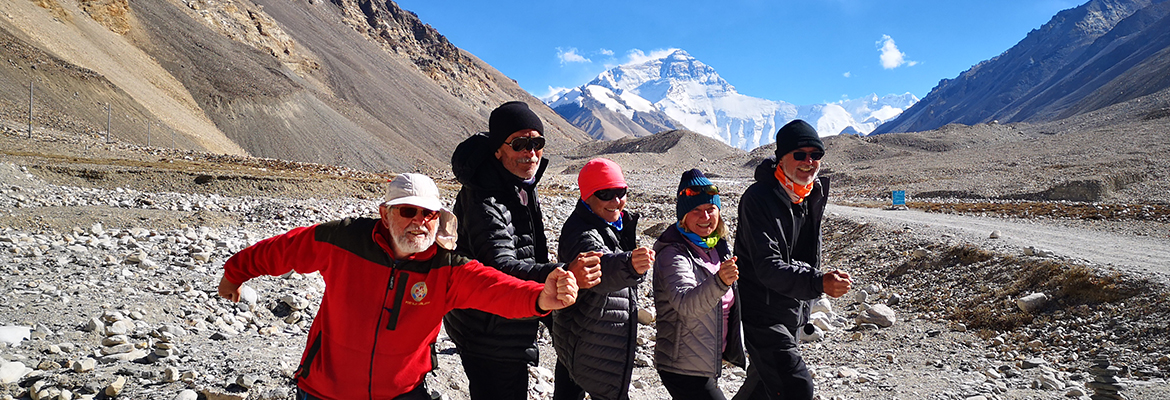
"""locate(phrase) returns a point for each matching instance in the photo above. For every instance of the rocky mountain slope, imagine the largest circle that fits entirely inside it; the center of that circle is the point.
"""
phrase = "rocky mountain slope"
(1098, 54)
(356, 83)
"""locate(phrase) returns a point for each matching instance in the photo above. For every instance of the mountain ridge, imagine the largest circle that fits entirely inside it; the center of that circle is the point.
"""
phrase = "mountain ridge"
(677, 91)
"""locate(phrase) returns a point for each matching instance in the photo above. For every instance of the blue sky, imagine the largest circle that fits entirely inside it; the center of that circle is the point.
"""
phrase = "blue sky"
(802, 52)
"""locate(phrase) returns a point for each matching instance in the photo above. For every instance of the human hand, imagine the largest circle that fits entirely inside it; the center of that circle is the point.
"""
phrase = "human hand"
(728, 271)
(837, 283)
(560, 291)
(229, 290)
(586, 268)
(642, 258)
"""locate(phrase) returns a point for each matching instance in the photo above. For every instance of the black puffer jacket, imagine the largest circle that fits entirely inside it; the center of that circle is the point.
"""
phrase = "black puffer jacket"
(594, 338)
(779, 248)
(500, 225)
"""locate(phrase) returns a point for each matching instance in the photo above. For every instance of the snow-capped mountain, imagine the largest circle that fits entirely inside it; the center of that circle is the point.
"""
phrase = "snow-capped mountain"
(680, 92)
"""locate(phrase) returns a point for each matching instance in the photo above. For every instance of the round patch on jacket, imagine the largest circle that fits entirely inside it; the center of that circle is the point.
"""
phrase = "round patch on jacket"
(418, 291)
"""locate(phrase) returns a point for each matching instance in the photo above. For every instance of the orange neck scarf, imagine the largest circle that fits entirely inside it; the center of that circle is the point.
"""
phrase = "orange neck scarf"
(796, 193)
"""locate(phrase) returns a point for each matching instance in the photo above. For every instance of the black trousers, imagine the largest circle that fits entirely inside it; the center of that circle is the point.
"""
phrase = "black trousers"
(776, 371)
(490, 379)
(418, 393)
(564, 387)
(690, 387)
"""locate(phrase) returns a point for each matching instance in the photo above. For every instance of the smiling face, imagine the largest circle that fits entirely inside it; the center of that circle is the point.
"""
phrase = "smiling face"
(801, 172)
(702, 220)
(409, 235)
(523, 163)
(610, 210)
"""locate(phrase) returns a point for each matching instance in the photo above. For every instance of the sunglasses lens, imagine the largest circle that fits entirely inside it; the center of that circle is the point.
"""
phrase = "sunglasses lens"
(610, 194)
(800, 155)
(528, 143)
(697, 190)
(407, 212)
(411, 212)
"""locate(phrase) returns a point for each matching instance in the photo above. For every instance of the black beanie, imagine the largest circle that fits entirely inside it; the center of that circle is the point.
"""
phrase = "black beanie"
(509, 118)
(794, 135)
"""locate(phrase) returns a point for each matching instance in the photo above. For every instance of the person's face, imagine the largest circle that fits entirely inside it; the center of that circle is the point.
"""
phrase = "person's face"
(609, 210)
(411, 234)
(801, 172)
(702, 220)
(522, 163)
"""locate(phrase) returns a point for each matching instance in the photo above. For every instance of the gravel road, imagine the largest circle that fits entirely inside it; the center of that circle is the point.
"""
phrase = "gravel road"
(1136, 254)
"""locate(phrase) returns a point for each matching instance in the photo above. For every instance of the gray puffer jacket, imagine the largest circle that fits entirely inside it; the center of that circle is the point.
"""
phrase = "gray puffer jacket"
(594, 338)
(688, 298)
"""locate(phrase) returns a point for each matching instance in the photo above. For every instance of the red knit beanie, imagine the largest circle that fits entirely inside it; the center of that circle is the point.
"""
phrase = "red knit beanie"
(598, 174)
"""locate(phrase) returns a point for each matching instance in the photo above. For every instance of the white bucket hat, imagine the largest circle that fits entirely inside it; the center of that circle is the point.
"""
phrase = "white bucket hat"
(420, 191)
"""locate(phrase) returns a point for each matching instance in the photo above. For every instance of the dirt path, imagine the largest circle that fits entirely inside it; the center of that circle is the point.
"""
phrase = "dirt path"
(1137, 254)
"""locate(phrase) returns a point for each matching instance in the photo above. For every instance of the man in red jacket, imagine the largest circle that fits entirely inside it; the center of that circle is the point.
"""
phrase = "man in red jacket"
(389, 282)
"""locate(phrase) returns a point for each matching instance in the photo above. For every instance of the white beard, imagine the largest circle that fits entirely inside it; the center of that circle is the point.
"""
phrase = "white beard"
(411, 244)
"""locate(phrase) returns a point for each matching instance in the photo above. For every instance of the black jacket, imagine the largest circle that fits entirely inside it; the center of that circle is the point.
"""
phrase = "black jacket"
(594, 338)
(500, 225)
(779, 248)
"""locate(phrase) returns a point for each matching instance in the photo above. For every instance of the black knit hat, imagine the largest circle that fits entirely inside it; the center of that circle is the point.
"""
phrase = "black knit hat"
(796, 134)
(509, 118)
(684, 204)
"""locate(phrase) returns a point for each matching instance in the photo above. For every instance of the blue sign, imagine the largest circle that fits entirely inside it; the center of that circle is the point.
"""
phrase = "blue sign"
(899, 197)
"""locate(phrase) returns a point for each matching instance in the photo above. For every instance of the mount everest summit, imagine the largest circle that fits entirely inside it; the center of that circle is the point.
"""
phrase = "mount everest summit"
(680, 92)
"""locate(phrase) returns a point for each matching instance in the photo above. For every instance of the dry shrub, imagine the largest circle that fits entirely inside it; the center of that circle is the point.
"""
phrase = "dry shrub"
(966, 255)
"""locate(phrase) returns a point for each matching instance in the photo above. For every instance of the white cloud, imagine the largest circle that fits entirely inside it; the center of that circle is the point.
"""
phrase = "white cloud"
(637, 56)
(847, 74)
(570, 56)
(892, 57)
(606, 52)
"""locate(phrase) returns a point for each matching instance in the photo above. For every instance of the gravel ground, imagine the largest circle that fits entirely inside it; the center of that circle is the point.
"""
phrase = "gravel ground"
(112, 253)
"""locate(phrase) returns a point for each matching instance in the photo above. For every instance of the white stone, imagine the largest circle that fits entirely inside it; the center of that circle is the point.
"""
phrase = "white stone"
(13, 335)
(821, 304)
(115, 387)
(1032, 302)
(186, 394)
(11, 372)
(878, 314)
(248, 295)
(84, 364)
(821, 320)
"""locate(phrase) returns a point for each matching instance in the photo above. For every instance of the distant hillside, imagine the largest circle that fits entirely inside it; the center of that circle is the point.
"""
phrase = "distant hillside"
(1102, 53)
(347, 82)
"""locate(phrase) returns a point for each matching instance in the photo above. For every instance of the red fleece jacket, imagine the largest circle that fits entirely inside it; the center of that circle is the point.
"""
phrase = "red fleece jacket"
(378, 316)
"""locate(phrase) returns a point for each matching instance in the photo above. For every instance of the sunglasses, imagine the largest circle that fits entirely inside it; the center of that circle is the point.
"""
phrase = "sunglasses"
(697, 190)
(532, 143)
(610, 194)
(411, 212)
(800, 155)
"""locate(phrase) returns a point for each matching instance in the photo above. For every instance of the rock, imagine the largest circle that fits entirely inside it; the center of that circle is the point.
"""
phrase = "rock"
(894, 299)
(121, 327)
(115, 388)
(247, 381)
(84, 364)
(12, 372)
(295, 302)
(1032, 363)
(645, 317)
(13, 335)
(186, 394)
(995, 235)
(860, 296)
(1032, 302)
(878, 314)
(171, 374)
(821, 304)
(248, 295)
(223, 394)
